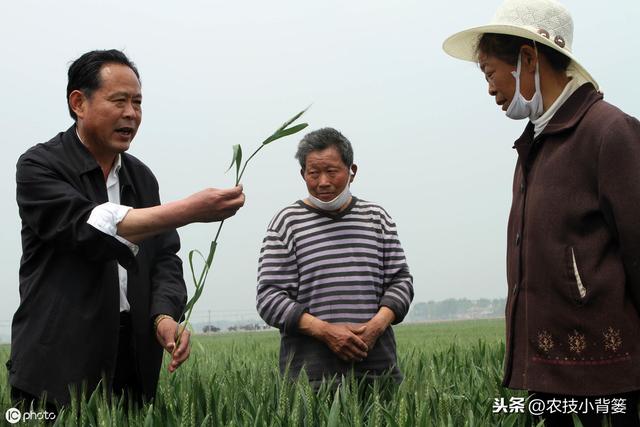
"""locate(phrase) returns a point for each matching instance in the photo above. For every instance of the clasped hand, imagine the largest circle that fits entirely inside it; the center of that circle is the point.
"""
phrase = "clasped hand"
(352, 342)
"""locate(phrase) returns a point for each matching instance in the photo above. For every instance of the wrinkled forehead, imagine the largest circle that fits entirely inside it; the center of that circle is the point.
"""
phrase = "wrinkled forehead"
(327, 157)
(482, 60)
(486, 60)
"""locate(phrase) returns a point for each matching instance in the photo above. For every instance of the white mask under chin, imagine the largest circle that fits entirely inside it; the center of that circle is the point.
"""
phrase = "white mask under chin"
(520, 108)
(332, 205)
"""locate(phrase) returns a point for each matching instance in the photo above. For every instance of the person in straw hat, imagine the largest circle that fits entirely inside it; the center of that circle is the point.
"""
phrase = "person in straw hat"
(573, 249)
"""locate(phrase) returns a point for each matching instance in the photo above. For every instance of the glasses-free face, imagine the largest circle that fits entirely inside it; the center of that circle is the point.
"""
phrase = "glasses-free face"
(325, 174)
(110, 117)
(501, 83)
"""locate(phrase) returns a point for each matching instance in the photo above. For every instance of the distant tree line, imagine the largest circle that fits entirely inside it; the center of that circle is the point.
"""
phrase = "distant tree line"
(449, 309)
(208, 328)
(453, 309)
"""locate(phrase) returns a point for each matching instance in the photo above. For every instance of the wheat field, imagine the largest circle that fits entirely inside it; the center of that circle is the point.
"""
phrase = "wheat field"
(452, 377)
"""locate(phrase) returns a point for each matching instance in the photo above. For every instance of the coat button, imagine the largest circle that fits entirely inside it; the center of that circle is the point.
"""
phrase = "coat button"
(515, 288)
(522, 187)
(518, 239)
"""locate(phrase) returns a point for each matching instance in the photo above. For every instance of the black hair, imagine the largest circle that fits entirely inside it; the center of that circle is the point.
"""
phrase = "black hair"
(84, 72)
(321, 139)
(507, 48)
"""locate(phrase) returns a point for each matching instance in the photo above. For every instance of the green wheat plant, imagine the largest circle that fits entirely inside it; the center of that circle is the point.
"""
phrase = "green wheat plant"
(452, 375)
(288, 128)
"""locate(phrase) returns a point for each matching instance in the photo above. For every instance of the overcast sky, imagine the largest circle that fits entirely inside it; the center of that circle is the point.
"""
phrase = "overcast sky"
(431, 146)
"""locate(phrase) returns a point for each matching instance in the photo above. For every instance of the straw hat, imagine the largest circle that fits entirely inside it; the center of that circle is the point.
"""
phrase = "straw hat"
(543, 21)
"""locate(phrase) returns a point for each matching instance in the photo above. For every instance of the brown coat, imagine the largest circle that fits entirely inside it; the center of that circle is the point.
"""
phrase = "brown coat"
(573, 253)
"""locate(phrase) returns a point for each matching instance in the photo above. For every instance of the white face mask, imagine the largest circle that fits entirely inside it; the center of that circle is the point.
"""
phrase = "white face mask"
(335, 204)
(520, 108)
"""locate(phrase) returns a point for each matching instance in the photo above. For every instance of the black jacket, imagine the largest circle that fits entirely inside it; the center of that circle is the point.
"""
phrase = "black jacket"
(65, 330)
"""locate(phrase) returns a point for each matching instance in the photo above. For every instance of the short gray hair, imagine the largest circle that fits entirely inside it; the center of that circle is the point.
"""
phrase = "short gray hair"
(321, 139)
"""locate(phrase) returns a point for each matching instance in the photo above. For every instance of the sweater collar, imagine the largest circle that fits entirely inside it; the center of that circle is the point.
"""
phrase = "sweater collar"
(333, 215)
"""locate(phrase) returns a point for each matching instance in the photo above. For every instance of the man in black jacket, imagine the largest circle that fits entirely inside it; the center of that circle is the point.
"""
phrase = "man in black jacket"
(101, 286)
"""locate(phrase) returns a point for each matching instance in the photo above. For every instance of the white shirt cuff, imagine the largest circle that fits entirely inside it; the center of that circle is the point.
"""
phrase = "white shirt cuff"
(106, 217)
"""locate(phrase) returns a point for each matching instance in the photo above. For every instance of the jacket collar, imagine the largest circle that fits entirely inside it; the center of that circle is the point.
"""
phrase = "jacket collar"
(567, 117)
(81, 156)
(573, 109)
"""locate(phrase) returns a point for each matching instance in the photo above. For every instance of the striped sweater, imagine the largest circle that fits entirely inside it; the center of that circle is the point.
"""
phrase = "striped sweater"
(340, 268)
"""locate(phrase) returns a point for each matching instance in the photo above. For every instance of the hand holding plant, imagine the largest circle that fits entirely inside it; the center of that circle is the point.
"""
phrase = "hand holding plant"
(166, 334)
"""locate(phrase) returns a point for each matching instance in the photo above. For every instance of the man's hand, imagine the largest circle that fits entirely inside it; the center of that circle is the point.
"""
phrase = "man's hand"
(207, 205)
(214, 204)
(340, 338)
(344, 341)
(370, 331)
(166, 333)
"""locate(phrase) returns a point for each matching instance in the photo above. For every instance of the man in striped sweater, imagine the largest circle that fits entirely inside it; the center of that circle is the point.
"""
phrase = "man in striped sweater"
(332, 274)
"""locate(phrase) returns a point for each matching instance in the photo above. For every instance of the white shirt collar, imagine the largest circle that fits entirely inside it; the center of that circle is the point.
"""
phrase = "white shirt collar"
(113, 178)
(540, 123)
(117, 164)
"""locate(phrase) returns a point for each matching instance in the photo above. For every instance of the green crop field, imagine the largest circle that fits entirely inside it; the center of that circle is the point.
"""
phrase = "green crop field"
(452, 376)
